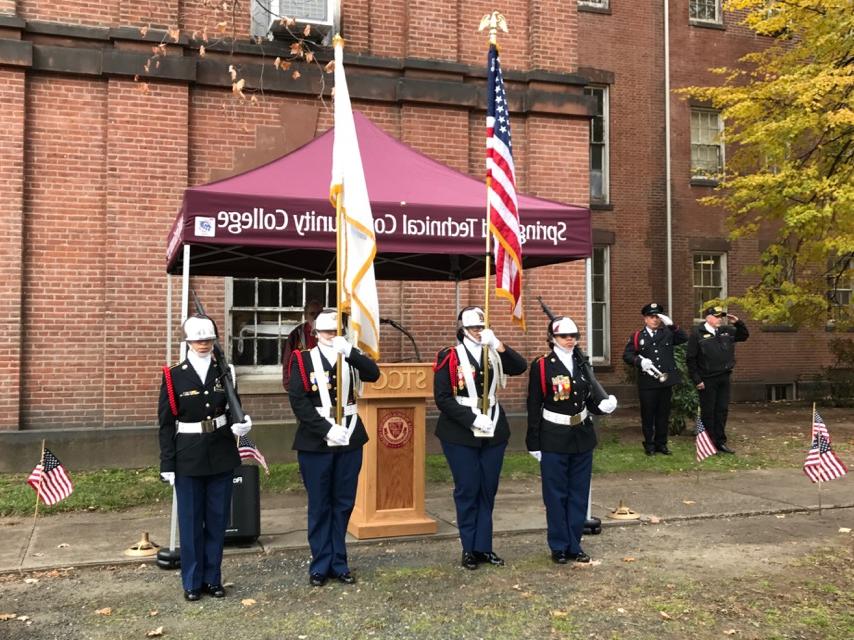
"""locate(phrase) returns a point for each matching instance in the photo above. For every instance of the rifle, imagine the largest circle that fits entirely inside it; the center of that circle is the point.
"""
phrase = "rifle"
(599, 392)
(237, 414)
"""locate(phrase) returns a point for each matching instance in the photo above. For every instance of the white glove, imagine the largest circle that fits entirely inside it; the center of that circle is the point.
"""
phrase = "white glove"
(482, 422)
(646, 364)
(536, 455)
(665, 319)
(608, 405)
(168, 476)
(488, 339)
(242, 428)
(340, 344)
(337, 436)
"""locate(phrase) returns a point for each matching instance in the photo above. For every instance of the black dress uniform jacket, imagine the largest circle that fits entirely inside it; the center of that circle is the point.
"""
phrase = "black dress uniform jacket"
(544, 435)
(455, 420)
(711, 355)
(195, 454)
(312, 428)
(659, 349)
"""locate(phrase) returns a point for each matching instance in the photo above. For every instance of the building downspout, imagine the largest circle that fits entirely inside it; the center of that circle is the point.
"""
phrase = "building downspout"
(667, 169)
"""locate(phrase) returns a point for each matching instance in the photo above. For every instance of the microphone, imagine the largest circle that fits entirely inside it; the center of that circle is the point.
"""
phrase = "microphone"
(394, 324)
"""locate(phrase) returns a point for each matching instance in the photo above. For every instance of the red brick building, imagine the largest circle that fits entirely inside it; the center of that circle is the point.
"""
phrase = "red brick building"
(101, 130)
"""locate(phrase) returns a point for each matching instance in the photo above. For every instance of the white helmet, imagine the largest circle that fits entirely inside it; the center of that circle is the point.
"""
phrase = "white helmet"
(472, 317)
(562, 325)
(327, 320)
(199, 328)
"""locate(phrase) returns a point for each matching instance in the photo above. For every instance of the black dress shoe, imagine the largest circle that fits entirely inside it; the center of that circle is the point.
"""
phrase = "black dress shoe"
(648, 450)
(578, 557)
(663, 450)
(346, 578)
(317, 580)
(724, 449)
(559, 557)
(489, 557)
(469, 561)
(216, 590)
(192, 595)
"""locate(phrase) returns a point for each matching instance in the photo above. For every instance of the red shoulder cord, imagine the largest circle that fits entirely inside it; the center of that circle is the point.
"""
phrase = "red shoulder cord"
(637, 335)
(298, 355)
(170, 390)
(543, 374)
(452, 361)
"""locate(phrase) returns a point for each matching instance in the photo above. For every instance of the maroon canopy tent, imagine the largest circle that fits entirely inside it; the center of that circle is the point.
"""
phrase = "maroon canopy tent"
(277, 221)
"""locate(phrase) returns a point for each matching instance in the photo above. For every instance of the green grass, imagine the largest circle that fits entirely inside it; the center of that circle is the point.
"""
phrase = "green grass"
(114, 489)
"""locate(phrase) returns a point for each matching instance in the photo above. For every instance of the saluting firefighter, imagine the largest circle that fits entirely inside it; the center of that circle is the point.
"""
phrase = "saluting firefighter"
(650, 350)
(198, 455)
(329, 453)
(561, 436)
(474, 442)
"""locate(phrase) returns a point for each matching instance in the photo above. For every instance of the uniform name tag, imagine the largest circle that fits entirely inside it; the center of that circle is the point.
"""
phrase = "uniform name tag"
(192, 392)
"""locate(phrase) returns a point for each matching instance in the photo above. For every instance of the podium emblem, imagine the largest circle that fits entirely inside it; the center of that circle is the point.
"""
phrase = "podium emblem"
(395, 430)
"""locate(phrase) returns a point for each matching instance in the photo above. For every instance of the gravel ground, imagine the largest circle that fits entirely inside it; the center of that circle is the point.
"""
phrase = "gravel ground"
(760, 577)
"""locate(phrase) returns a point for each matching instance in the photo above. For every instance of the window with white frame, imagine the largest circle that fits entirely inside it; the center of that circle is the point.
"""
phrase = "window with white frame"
(264, 311)
(600, 330)
(599, 145)
(840, 292)
(705, 11)
(598, 4)
(707, 147)
(709, 279)
(267, 14)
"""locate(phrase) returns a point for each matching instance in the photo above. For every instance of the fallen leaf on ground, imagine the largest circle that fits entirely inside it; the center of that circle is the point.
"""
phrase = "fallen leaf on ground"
(665, 615)
(689, 502)
(629, 559)
(595, 563)
(152, 613)
(247, 602)
(559, 614)
(63, 545)
(7, 616)
(780, 516)
(23, 618)
(31, 580)
(730, 632)
(621, 610)
(844, 530)
(106, 611)
(154, 633)
(654, 519)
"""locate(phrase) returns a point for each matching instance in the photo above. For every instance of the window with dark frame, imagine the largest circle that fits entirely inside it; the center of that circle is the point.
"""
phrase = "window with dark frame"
(264, 311)
(709, 279)
(600, 330)
(599, 145)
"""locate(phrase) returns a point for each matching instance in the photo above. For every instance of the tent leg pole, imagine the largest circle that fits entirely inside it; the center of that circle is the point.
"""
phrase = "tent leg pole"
(168, 319)
(185, 295)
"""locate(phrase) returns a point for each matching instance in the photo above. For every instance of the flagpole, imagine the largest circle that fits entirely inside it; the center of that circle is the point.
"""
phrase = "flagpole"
(492, 21)
(812, 436)
(35, 512)
(338, 301)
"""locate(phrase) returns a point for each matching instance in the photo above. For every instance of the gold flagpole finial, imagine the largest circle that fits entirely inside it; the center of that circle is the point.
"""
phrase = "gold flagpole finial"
(494, 21)
(338, 40)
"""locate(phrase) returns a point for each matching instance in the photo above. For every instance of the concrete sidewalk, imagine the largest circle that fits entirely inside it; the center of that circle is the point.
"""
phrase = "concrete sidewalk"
(80, 539)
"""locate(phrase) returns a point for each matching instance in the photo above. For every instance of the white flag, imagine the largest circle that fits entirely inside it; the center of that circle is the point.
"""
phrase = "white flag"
(358, 242)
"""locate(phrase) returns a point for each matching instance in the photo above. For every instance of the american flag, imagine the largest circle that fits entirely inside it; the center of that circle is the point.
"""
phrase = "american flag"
(50, 480)
(705, 447)
(822, 464)
(249, 451)
(502, 204)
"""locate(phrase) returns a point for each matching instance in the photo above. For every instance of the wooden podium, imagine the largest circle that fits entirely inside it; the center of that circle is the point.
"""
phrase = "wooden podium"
(390, 497)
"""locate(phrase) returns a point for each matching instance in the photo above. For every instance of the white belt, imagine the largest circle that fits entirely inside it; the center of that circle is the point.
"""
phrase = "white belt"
(562, 418)
(473, 403)
(205, 426)
(349, 410)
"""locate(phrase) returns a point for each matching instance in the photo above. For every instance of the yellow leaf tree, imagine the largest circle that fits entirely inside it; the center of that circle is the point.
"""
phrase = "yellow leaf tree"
(789, 123)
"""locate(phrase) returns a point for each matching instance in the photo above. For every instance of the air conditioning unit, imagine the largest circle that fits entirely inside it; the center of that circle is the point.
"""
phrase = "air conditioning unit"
(322, 15)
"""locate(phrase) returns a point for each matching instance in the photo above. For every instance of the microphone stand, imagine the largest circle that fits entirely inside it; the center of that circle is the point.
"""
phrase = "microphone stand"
(394, 324)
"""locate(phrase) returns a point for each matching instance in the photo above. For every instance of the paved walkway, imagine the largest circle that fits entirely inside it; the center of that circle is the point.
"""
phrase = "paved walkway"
(79, 539)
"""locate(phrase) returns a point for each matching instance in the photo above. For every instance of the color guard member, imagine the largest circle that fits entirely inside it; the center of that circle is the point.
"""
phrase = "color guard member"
(329, 453)
(198, 455)
(562, 438)
(474, 442)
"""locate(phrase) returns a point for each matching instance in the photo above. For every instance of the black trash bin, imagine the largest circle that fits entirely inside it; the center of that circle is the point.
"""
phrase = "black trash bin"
(244, 521)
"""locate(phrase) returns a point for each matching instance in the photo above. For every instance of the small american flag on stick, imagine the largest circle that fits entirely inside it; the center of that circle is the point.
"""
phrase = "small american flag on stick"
(705, 447)
(249, 451)
(50, 480)
(822, 464)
